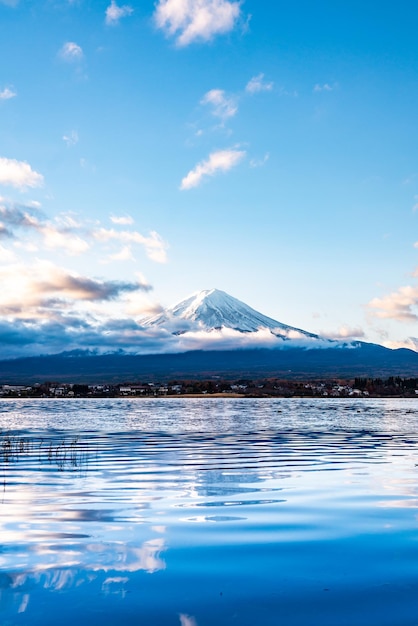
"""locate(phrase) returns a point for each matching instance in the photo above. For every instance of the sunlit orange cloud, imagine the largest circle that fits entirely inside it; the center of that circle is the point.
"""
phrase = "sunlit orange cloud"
(398, 305)
(44, 285)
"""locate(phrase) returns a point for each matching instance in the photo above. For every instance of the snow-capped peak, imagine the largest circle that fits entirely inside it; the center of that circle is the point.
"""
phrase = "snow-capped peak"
(214, 309)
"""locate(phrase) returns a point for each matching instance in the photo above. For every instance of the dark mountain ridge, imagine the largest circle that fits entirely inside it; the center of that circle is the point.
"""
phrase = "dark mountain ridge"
(368, 360)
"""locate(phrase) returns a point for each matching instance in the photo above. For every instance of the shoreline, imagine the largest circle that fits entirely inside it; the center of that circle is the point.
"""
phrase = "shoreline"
(232, 396)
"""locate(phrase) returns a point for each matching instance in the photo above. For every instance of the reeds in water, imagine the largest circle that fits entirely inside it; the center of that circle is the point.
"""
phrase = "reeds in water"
(66, 455)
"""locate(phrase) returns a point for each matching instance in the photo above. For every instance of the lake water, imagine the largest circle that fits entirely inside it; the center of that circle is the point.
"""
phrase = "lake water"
(204, 512)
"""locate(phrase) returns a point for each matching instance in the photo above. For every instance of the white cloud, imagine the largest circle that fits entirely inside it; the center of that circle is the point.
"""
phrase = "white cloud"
(114, 13)
(260, 162)
(325, 87)
(288, 94)
(411, 343)
(6, 256)
(196, 20)
(7, 94)
(155, 246)
(220, 161)
(18, 174)
(64, 240)
(345, 332)
(257, 84)
(224, 106)
(71, 139)
(61, 235)
(87, 165)
(34, 204)
(398, 305)
(123, 255)
(10, 3)
(124, 220)
(21, 224)
(71, 51)
(68, 221)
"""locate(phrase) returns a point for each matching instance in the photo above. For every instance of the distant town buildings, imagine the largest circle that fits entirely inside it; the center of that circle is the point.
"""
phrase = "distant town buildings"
(358, 388)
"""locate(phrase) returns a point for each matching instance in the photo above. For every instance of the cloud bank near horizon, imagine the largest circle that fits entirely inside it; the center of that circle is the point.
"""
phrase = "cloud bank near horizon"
(64, 327)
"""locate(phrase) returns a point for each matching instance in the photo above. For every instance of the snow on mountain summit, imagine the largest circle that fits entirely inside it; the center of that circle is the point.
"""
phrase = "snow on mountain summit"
(213, 309)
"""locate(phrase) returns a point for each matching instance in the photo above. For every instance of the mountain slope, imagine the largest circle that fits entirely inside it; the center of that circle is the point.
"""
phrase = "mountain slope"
(213, 309)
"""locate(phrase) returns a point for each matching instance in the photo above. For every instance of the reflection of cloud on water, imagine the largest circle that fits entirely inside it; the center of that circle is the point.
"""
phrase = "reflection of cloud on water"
(219, 483)
(91, 562)
(106, 558)
(130, 559)
(24, 603)
(187, 620)
(52, 579)
(115, 585)
(398, 504)
(160, 481)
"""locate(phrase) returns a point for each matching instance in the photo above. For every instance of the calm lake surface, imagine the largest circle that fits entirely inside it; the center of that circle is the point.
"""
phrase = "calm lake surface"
(204, 512)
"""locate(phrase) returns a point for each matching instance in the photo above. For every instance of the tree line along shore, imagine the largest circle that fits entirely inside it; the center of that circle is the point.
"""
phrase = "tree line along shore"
(394, 386)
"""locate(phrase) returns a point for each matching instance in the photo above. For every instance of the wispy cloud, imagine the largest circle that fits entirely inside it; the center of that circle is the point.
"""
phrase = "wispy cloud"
(257, 84)
(114, 13)
(72, 237)
(123, 220)
(18, 174)
(324, 87)
(61, 236)
(71, 52)
(10, 3)
(71, 139)
(125, 254)
(6, 255)
(345, 332)
(399, 305)
(20, 216)
(155, 246)
(7, 94)
(260, 162)
(196, 20)
(220, 161)
(63, 239)
(223, 106)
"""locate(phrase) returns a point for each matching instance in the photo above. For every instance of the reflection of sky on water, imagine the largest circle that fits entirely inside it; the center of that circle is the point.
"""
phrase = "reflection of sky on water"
(183, 519)
(222, 415)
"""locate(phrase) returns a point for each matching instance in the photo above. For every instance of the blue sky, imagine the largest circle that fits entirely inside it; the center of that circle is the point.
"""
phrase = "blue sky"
(152, 149)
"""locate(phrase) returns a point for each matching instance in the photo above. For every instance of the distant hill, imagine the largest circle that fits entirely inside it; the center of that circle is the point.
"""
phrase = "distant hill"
(368, 360)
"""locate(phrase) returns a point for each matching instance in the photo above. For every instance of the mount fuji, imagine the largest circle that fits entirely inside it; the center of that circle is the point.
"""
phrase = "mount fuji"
(214, 310)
